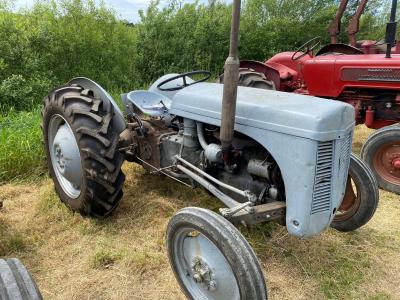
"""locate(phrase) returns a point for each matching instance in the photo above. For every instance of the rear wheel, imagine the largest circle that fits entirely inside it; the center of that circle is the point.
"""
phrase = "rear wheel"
(250, 78)
(81, 150)
(211, 259)
(361, 198)
(381, 152)
(15, 281)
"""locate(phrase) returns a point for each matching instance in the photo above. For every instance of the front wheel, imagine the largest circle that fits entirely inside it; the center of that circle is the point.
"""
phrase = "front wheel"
(211, 259)
(16, 282)
(381, 152)
(81, 148)
(361, 198)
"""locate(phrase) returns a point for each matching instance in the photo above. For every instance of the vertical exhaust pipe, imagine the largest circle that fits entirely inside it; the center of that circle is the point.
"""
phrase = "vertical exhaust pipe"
(231, 74)
(391, 29)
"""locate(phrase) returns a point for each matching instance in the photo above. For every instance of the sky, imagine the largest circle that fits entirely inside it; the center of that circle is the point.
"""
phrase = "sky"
(126, 9)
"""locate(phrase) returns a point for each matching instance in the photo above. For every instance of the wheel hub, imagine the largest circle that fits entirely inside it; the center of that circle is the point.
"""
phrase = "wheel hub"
(65, 156)
(387, 162)
(202, 274)
(396, 163)
(66, 152)
(203, 268)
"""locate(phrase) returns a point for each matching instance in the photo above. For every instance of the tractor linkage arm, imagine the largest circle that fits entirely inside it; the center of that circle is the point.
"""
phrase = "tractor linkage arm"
(354, 25)
(334, 27)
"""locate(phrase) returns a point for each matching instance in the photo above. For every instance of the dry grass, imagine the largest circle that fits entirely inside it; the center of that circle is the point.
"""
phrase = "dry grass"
(123, 257)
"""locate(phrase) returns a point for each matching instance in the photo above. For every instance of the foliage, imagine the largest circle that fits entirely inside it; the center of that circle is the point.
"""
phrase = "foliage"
(181, 38)
(184, 37)
(56, 41)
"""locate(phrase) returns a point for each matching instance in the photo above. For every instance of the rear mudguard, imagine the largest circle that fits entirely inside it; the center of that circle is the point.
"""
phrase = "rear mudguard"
(119, 123)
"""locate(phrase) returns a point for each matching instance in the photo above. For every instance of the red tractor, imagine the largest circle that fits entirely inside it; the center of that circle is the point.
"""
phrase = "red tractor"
(365, 74)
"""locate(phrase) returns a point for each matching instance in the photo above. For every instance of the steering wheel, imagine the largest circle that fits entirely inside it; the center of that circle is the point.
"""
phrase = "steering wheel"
(185, 83)
(307, 48)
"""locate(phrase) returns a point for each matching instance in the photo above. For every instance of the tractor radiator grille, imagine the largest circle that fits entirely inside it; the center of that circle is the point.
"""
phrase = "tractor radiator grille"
(323, 178)
(344, 160)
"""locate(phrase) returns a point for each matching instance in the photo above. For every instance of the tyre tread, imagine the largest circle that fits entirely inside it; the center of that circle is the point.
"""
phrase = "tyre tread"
(97, 140)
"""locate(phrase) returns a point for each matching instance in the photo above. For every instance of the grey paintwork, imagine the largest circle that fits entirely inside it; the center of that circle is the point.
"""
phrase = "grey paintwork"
(293, 114)
(290, 127)
(149, 103)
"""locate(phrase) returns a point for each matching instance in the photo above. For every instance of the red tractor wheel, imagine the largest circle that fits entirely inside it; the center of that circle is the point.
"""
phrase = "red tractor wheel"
(381, 152)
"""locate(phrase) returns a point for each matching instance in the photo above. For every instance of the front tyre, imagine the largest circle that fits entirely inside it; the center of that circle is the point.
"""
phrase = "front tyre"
(361, 198)
(381, 152)
(16, 282)
(211, 259)
(81, 150)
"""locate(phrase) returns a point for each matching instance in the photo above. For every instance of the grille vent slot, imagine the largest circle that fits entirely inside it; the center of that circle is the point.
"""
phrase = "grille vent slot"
(323, 178)
(344, 159)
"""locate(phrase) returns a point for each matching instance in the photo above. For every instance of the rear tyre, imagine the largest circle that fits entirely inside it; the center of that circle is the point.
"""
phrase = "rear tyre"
(381, 152)
(81, 150)
(211, 259)
(15, 281)
(250, 78)
(360, 200)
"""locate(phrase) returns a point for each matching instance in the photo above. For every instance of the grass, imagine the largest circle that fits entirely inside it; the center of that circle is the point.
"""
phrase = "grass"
(123, 257)
(21, 151)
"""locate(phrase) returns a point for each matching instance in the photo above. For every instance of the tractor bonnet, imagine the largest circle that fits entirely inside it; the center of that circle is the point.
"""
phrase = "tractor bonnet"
(298, 115)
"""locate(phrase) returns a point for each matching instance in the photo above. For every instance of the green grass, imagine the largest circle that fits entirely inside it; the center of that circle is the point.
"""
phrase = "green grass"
(21, 151)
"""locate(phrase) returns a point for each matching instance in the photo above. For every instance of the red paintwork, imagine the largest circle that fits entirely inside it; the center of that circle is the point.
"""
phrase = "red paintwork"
(360, 80)
(396, 163)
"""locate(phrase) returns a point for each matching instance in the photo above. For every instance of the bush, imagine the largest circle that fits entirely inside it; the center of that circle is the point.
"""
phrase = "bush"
(21, 94)
(58, 40)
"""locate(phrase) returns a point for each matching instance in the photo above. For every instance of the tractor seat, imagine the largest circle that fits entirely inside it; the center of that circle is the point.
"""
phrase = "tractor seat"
(149, 103)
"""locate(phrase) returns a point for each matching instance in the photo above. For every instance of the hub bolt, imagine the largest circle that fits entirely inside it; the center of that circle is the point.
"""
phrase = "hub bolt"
(212, 285)
(197, 278)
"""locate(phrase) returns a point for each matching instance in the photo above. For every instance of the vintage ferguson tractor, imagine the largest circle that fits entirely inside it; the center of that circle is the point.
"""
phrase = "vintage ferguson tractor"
(266, 155)
(365, 74)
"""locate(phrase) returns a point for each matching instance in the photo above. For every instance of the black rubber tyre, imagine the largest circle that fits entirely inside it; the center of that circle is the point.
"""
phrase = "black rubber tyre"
(229, 241)
(367, 197)
(371, 154)
(251, 78)
(92, 126)
(15, 282)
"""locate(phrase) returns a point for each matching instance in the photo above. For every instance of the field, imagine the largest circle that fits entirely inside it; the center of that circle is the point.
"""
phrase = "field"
(123, 257)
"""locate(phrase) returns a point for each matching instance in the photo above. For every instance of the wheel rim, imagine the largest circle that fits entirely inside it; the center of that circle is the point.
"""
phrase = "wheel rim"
(202, 267)
(351, 202)
(386, 162)
(65, 156)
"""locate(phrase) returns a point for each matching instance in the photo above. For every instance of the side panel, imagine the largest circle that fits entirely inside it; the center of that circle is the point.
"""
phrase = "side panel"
(319, 75)
(296, 157)
(330, 75)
